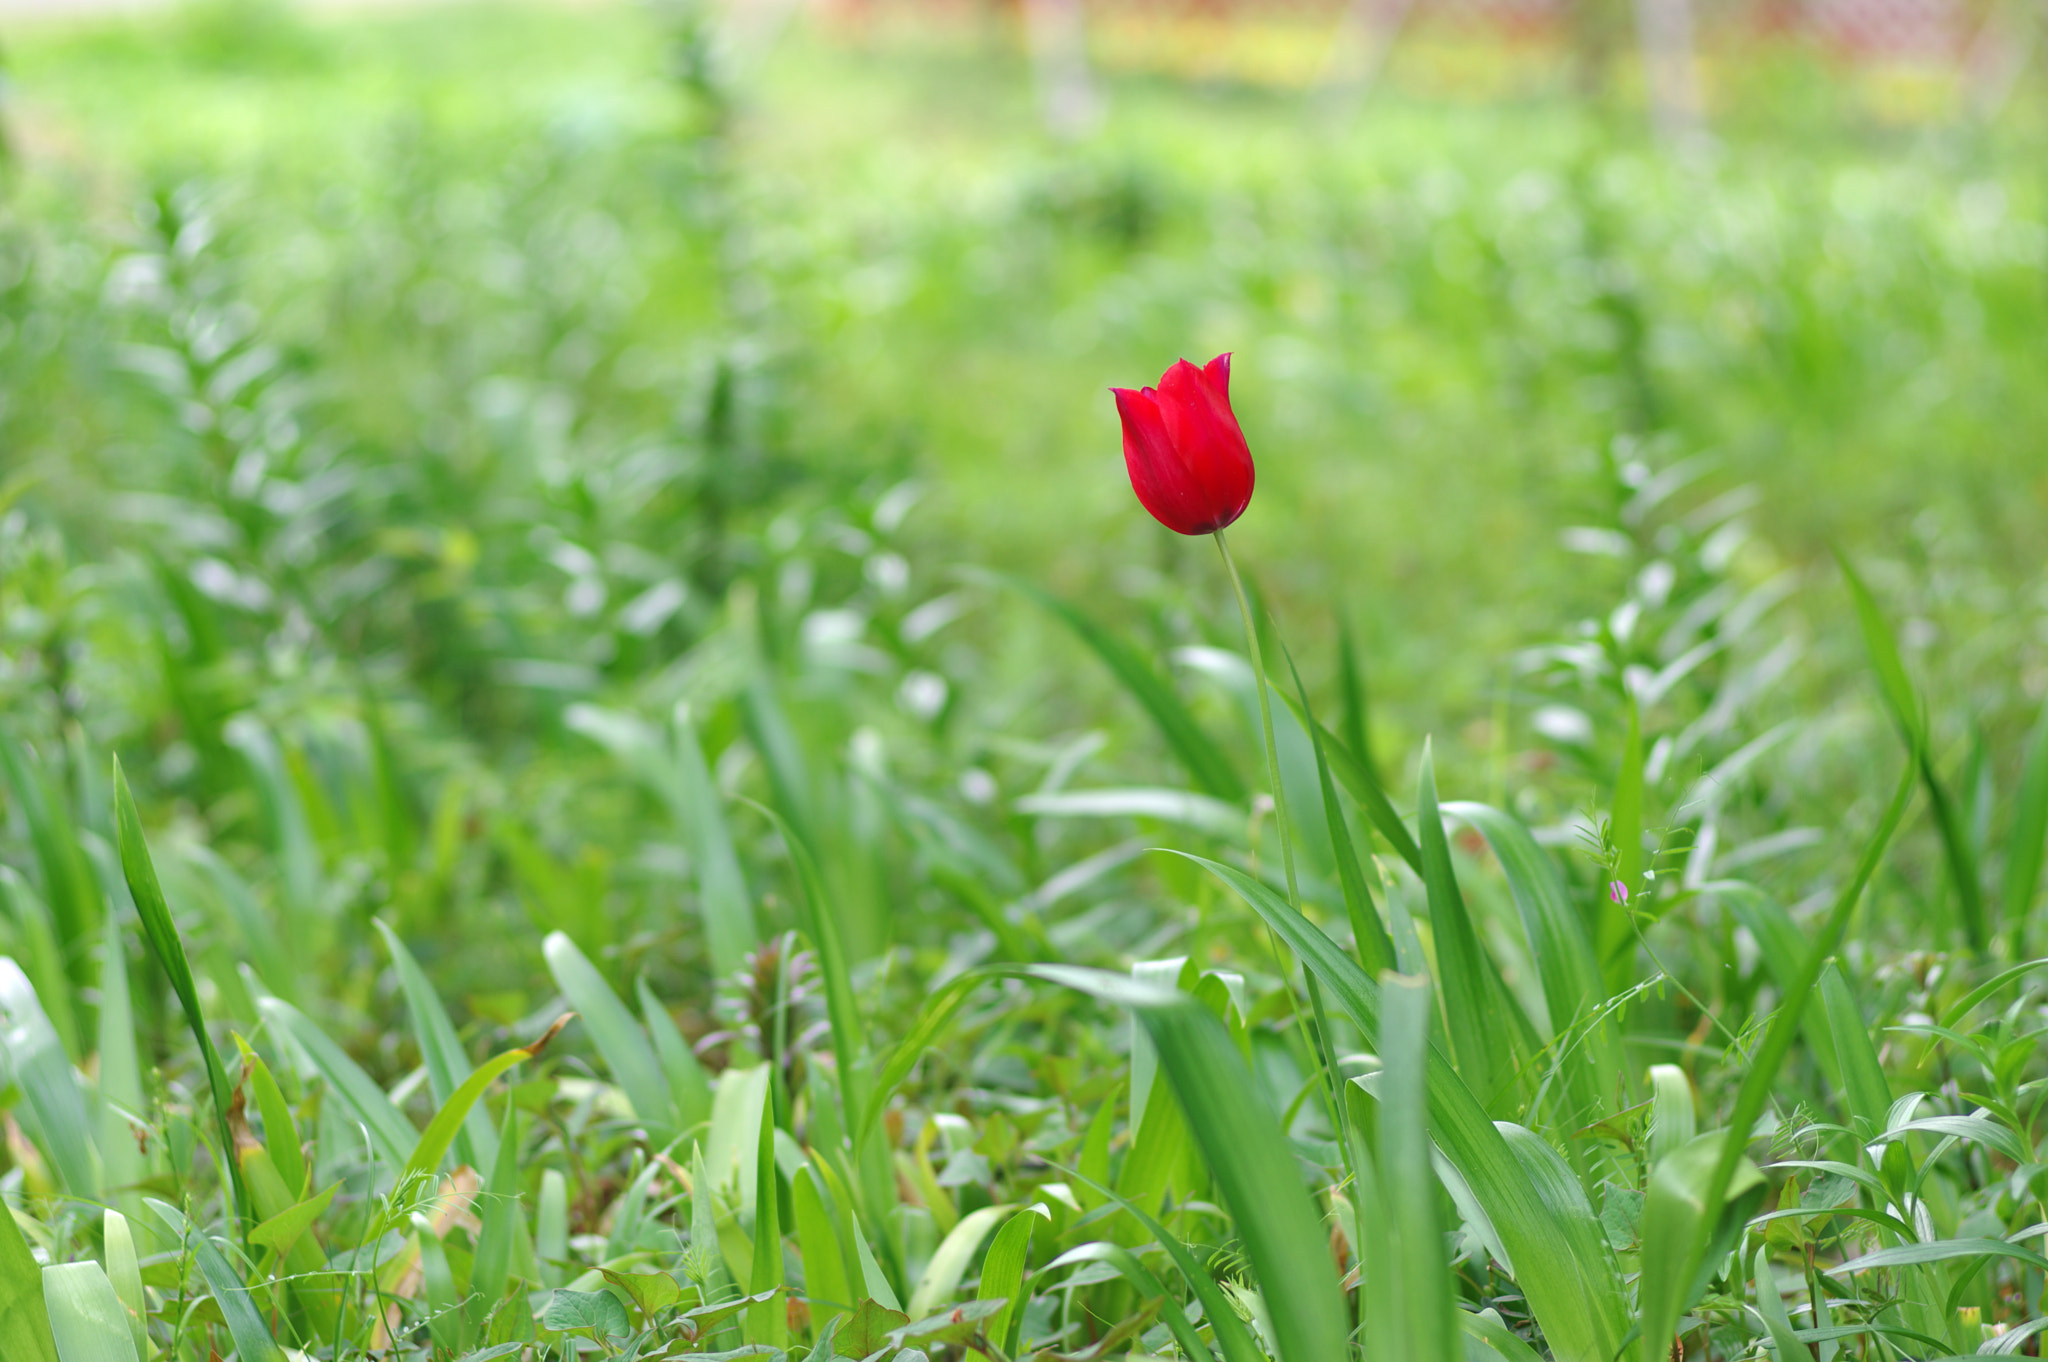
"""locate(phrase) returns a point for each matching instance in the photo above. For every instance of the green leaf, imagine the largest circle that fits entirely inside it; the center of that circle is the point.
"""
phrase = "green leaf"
(86, 1317)
(597, 1313)
(282, 1230)
(73, 894)
(253, 1340)
(500, 1216)
(1674, 1122)
(767, 1321)
(1944, 1251)
(652, 1291)
(24, 1318)
(440, 1051)
(1785, 1344)
(1472, 1004)
(618, 1037)
(1139, 1276)
(1002, 1278)
(1246, 1153)
(161, 931)
(2028, 839)
(1616, 937)
(688, 1088)
(824, 1259)
(1563, 1261)
(1364, 787)
(124, 1273)
(867, 1331)
(1204, 759)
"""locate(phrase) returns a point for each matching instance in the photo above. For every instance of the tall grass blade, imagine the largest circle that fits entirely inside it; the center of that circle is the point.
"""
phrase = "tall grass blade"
(767, 1320)
(499, 1215)
(446, 1125)
(42, 957)
(1363, 786)
(1410, 1283)
(1246, 1154)
(955, 1254)
(1200, 754)
(120, 1069)
(1867, 1094)
(618, 1037)
(72, 894)
(1354, 720)
(253, 1340)
(1680, 1212)
(824, 1259)
(1563, 1262)
(124, 1273)
(86, 1317)
(1002, 1278)
(1909, 712)
(688, 1088)
(1148, 1288)
(1375, 948)
(447, 1066)
(391, 1135)
(161, 931)
(1472, 1002)
(1616, 937)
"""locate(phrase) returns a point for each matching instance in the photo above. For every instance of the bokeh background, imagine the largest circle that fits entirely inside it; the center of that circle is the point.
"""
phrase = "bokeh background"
(389, 388)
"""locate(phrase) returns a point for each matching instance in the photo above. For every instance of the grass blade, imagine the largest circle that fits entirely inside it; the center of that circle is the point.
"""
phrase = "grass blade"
(253, 1339)
(1203, 757)
(120, 1068)
(447, 1122)
(161, 931)
(1253, 1166)
(688, 1088)
(1679, 1212)
(618, 1037)
(1864, 1089)
(1002, 1278)
(825, 1274)
(1472, 1004)
(1363, 786)
(1410, 1282)
(35, 1060)
(950, 1261)
(1375, 948)
(1616, 938)
(500, 1212)
(1909, 712)
(124, 1273)
(390, 1133)
(71, 893)
(447, 1066)
(767, 1320)
(86, 1317)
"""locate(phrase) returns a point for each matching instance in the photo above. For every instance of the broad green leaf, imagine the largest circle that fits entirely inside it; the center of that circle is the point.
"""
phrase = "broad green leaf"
(440, 1051)
(1002, 1278)
(618, 1037)
(282, 1230)
(1785, 1344)
(597, 1313)
(1243, 1147)
(1204, 759)
(1674, 1121)
(952, 1259)
(551, 1225)
(280, 1132)
(161, 931)
(253, 1339)
(1472, 1003)
(124, 1273)
(1487, 1329)
(86, 1317)
(1563, 1261)
(825, 1275)
(24, 1319)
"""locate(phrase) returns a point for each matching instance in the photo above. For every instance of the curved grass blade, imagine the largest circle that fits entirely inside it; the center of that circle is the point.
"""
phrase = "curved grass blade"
(1140, 1277)
(951, 1259)
(1677, 1214)
(1247, 1155)
(390, 1133)
(1375, 948)
(1864, 1090)
(1563, 1261)
(447, 1122)
(1002, 1278)
(1203, 757)
(161, 931)
(124, 1273)
(1363, 786)
(1909, 712)
(500, 1214)
(253, 1339)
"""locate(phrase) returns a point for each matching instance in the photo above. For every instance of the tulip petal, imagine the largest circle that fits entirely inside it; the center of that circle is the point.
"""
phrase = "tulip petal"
(1205, 435)
(1161, 479)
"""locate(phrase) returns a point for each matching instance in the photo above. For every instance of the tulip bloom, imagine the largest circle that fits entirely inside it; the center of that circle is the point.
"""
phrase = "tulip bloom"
(1187, 458)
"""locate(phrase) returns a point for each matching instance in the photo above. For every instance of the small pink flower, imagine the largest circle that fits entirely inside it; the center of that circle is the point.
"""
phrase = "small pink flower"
(1617, 891)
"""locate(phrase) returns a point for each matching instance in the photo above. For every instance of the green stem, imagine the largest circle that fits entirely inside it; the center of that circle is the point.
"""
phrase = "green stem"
(1319, 1043)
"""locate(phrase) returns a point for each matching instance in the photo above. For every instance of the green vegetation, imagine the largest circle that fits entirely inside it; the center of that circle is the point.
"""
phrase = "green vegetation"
(568, 512)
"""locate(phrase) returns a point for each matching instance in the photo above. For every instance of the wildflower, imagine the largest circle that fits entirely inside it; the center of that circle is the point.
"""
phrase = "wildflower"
(1186, 455)
(1618, 891)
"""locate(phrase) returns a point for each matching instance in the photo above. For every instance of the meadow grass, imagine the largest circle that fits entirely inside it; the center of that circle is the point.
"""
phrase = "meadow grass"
(558, 515)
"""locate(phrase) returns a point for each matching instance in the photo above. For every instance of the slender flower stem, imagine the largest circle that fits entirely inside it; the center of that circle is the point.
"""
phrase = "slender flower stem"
(1320, 1042)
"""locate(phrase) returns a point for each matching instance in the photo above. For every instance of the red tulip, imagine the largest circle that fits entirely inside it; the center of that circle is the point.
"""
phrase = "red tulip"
(1186, 456)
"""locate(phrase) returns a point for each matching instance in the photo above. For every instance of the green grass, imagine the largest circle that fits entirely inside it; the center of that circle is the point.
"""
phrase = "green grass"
(552, 526)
